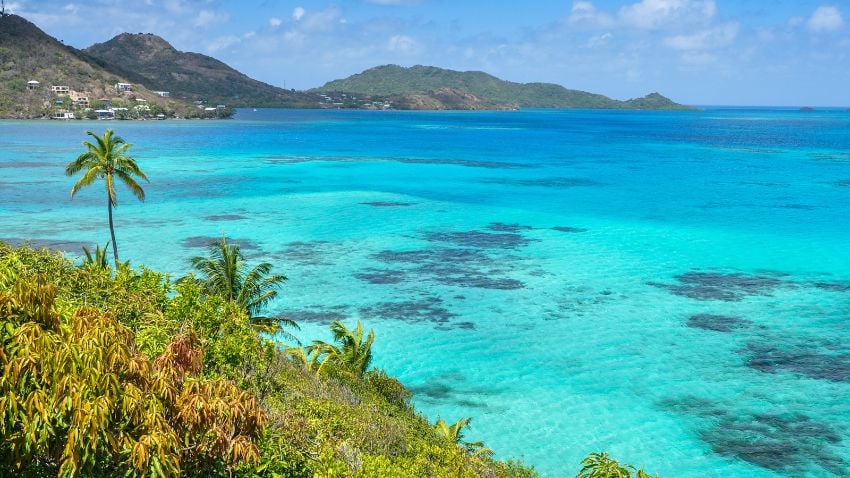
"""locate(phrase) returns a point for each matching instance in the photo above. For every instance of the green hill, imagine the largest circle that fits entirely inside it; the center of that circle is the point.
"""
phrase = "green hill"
(399, 83)
(28, 54)
(152, 61)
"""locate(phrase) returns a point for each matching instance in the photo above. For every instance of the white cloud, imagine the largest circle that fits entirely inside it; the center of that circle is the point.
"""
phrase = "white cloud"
(403, 44)
(275, 22)
(825, 19)
(585, 13)
(599, 40)
(298, 13)
(221, 43)
(323, 20)
(709, 39)
(207, 18)
(654, 14)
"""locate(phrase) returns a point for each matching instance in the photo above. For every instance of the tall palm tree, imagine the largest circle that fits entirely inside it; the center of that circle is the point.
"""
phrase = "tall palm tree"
(107, 159)
(224, 272)
(354, 351)
(454, 434)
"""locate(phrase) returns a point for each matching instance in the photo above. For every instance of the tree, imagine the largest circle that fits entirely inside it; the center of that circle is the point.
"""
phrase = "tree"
(107, 159)
(600, 465)
(354, 351)
(224, 272)
(454, 434)
(98, 259)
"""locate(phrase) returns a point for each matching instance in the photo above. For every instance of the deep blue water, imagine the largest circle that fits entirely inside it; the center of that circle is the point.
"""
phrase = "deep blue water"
(673, 287)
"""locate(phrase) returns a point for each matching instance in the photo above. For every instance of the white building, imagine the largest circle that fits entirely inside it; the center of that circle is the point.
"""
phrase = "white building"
(61, 90)
(33, 85)
(164, 94)
(63, 115)
(123, 87)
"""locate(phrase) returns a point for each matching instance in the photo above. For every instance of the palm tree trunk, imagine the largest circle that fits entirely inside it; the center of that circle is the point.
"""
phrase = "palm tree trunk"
(112, 231)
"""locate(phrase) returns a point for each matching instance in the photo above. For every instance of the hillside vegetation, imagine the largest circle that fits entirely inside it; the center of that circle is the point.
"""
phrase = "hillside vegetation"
(398, 84)
(29, 54)
(150, 60)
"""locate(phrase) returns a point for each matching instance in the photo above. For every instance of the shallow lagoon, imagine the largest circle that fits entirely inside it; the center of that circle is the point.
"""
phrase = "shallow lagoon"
(671, 287)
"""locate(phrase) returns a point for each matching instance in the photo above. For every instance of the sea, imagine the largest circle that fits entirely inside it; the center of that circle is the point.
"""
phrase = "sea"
(669, 287)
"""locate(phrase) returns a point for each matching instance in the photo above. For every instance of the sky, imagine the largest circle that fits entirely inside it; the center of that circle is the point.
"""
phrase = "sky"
(700, 52)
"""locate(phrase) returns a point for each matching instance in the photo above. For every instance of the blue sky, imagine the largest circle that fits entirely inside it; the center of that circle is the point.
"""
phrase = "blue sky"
(709, 52)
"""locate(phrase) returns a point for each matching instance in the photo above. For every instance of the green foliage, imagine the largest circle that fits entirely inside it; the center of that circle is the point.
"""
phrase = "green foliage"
(77, 399)
(405, 84)
(225, 273)
(600, 465)
(98, 259)
(352, 351)
(149, 348)
(454, 434)
(107, 159)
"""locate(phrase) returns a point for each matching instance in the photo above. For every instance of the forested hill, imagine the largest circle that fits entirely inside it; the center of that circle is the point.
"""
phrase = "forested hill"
(399, 83)
(150, 60)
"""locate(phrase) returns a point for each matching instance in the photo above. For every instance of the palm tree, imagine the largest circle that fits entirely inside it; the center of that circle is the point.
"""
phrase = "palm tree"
(354, 351)
(98, 259)
(107, 160)
(454, 434)
(600, 465)
(225, 273)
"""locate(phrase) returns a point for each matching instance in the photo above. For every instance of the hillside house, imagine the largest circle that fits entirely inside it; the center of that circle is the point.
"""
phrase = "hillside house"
(33, 85)
(63, 115)
(80, 98)
(60, 90)
(122, 88)
(163, 94)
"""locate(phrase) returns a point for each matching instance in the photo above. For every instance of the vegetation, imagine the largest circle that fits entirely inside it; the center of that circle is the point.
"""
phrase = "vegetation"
(408, 86)
(27, 53)
(107, 160)
(226, 274)
(153, 62)
(141, 376)
(454, 434)
(600, 465)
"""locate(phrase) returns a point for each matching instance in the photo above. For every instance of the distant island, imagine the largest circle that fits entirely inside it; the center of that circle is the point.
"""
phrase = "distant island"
(431, 88)
(142, 76)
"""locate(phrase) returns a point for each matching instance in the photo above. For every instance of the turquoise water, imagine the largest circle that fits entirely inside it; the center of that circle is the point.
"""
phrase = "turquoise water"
(671, 287)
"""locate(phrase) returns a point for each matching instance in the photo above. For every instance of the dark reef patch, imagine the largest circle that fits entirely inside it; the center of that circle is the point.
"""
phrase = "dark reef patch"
(480, 239)
(28, 164)
(555, 183)
(387, 204)
(450, 388)
(280, 159)
(306, 253)
(503, 227)
(728, 287)
(790, 443)
(52, 244)
(776, 442)
(381, 276)
(205, 241)
(224, 217)
(717, 323)
(317, 314)
(803, 358)
(569, 229)
(833, 286)
(429, 309)
(448, 266)
(801, 207)
(845, 183)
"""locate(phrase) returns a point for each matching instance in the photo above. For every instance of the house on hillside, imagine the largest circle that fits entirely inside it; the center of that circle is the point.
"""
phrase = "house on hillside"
(63, 115)
(122, 88)
(163, 94)
(80, 98)
(33, 85)
(104, 114)
(60, 90)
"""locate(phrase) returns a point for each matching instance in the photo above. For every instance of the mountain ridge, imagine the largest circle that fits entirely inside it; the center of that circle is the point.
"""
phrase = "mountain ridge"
(153, 61)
